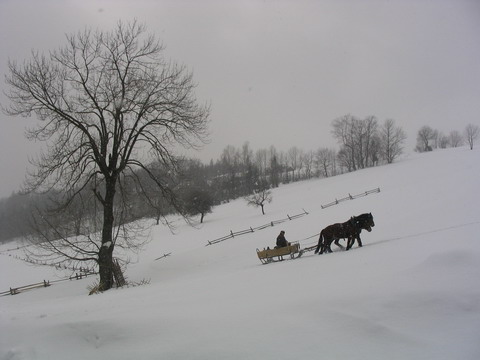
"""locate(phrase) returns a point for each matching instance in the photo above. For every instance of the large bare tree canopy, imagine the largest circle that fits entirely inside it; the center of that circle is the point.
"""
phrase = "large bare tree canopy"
(105, 101)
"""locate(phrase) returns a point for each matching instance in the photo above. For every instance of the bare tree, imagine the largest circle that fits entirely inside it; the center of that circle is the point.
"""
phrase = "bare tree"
(471, 134)
(260, 197)
(294, 160)
(249, 170)
(230, 160)
(424, 138)
(104, 101)
(275, 167)
(261, 162)
(325, 161)
(344, 132)
(392, 138)
(443, 141)
(455, 138)
(366, 140)
(198, 201)
(308, 161)
(358, 139)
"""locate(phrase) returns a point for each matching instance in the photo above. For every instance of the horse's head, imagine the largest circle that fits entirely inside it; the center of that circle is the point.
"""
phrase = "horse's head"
(365, 221)
(372, 223)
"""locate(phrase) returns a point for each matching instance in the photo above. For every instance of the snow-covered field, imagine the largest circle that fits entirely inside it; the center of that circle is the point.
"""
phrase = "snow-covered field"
(411, 292)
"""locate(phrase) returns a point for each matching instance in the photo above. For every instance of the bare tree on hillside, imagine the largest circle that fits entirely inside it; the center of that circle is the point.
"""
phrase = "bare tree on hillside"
(295, 160)
(308, 162)
(344, 132)
(198, 201)
(392, 138)
(358, 139)
(260, 197)
(261, 162)
(230, 160)
(104, 102)
(275, 167)
(471, 134)
(455, 138)
(425, 136)
(443, 141)
(325, 161)
(366, 140)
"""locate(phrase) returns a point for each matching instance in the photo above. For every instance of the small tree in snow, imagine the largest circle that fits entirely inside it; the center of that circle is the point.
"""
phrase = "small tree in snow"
(260, 197)
(424, 138)
(471, 134)
(198, 201)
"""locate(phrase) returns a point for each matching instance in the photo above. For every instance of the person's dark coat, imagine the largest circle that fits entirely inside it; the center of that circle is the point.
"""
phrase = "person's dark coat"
(281, 241)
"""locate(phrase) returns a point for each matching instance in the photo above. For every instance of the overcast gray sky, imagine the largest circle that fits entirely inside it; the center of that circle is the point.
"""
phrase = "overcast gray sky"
(278, 72)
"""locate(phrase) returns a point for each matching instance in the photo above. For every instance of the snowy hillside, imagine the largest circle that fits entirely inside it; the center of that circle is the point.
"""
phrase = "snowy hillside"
(411, 292)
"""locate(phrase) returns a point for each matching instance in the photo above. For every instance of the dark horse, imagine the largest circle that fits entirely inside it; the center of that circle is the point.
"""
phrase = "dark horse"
(349, 230)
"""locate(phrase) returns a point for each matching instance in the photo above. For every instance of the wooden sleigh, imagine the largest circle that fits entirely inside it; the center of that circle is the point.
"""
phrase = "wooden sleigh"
(268, 255)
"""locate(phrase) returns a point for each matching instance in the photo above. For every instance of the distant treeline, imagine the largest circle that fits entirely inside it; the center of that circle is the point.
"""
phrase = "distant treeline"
(237, 173)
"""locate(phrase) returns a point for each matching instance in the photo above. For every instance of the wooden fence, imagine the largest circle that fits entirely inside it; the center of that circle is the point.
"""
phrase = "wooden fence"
(18, 290)
(44, 283)
(81, 269)
(79, 273)
(351, 197)
(251, 230)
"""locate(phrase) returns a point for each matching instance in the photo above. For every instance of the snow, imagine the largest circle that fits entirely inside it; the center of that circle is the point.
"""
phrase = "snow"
(411, 292)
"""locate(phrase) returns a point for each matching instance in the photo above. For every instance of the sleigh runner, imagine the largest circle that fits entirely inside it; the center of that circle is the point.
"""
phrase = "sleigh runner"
(268, 255)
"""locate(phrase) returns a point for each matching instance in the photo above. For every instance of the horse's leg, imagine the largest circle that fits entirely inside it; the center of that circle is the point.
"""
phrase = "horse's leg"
(359, 241)
(327, 244)
(319, 244)
(350, 242)
(337, 243)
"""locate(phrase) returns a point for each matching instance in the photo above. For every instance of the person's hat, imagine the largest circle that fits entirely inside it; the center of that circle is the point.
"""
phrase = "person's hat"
(282, 232)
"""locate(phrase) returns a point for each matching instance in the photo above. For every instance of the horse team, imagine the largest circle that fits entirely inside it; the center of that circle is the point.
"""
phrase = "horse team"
(349, 230)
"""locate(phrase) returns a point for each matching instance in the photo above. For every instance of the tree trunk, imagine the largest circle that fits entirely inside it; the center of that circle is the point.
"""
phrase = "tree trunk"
(105, 254)
(201, 218)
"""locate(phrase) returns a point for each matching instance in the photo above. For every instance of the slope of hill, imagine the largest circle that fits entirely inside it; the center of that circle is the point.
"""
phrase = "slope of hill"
(410, 292)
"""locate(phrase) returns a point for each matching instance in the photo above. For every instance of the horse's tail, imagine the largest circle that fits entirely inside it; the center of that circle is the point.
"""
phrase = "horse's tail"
(320, 242)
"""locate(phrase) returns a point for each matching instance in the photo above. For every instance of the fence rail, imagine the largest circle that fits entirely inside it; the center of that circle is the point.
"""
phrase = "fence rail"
(15, 291)
(351, 197)
(45, 283)
(251, 230)
(80, 273)
(81, 269)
